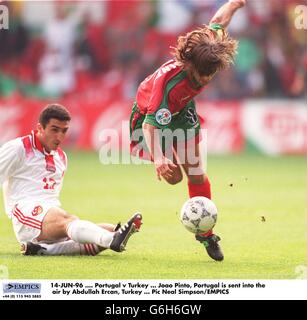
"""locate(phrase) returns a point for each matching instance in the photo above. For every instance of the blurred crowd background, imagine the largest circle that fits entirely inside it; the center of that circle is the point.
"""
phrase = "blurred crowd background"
(101, 49)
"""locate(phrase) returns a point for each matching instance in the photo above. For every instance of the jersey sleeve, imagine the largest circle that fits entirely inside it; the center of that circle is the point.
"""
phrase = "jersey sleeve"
(10, 156)
(154, 105)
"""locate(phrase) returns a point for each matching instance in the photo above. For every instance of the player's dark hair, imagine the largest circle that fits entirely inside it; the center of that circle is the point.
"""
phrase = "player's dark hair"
(53, 111)
(205, 50)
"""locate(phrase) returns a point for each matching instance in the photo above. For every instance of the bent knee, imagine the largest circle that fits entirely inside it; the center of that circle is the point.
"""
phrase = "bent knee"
(59, 217)
(55, 223)
(67, 219)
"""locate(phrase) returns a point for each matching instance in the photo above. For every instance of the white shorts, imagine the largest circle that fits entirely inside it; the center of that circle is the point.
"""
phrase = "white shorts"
(27, 219)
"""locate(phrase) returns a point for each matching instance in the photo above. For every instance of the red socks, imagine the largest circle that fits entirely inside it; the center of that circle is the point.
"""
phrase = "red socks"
(202, 190)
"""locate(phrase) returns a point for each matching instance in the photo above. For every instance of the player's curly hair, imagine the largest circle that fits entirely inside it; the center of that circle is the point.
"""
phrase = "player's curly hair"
(206, 50)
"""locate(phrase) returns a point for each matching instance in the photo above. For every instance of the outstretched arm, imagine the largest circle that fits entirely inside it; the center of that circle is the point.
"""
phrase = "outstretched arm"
(224, 14)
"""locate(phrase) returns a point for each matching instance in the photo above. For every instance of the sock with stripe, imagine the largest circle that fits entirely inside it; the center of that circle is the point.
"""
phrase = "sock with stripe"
(69, 248)
(86, 232)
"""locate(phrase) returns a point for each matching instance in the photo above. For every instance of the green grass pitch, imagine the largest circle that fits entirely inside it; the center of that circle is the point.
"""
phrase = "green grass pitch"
(247, 190)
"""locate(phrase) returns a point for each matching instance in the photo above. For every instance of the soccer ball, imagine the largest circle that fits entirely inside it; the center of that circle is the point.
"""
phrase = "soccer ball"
(198, 214)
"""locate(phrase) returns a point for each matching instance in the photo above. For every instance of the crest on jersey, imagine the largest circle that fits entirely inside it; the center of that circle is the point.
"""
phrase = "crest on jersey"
(37, 210)
(191, 115)
(163, 116)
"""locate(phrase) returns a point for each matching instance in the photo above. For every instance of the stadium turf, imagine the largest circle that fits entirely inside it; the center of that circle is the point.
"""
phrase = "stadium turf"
(262, 222)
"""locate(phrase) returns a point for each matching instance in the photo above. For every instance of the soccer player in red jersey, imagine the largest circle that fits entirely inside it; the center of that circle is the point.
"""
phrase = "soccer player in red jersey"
(165, 106)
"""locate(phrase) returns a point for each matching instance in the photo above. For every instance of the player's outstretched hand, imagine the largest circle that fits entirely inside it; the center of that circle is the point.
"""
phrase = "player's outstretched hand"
(238, 3)
(164, 168)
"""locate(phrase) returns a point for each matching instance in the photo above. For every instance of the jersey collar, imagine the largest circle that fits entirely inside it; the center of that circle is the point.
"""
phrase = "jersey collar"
(37, 144)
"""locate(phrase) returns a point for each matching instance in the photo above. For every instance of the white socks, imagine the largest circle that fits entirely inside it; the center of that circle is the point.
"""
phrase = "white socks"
(86, 232)
(69, 248)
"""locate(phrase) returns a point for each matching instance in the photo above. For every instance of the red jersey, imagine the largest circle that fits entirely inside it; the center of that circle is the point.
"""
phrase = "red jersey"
(165, 100)
(168, 87)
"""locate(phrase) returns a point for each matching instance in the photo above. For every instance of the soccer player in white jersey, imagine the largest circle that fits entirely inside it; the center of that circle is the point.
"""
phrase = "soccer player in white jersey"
(32, 169)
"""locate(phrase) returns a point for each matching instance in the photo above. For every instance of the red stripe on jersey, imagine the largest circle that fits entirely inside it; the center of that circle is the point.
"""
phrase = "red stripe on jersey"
(50, 165)
(37, 144)
(28, 146)
(62, 156)
(25, 222)
(29, 218)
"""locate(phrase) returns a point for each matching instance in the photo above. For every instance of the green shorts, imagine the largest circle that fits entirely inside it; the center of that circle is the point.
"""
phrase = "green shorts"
(184, 126)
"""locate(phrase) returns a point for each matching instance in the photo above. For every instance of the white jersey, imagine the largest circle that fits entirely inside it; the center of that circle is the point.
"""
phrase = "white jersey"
(28, 173)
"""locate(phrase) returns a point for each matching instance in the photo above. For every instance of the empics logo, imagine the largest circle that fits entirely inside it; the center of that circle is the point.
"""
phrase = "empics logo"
(4, 17)
(21, 287)
(301, 17)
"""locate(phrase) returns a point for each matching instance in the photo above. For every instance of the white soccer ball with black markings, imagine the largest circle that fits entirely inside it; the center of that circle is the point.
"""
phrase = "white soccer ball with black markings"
(198, 214)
